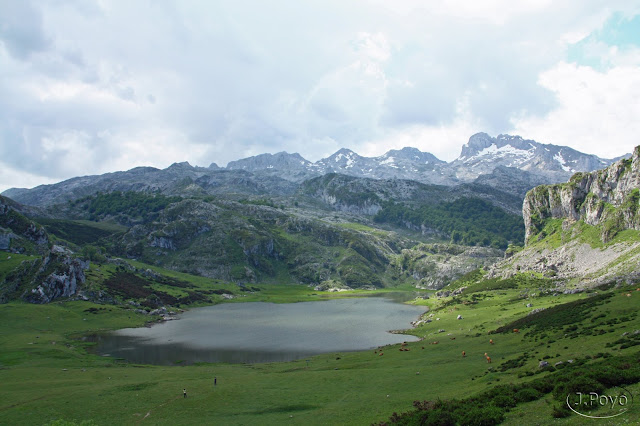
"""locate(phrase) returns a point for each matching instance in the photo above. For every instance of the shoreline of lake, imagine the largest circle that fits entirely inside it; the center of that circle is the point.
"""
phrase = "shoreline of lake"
(256, 332)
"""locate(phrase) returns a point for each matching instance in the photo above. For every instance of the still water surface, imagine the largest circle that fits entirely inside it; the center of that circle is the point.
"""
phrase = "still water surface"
(264, 332)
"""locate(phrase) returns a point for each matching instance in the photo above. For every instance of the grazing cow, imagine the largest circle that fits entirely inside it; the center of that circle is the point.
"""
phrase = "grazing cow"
(452, 338)
(489, 360)
(380, 354)
(464, 354)
(516, 330)
(628, 294)
(491, 341)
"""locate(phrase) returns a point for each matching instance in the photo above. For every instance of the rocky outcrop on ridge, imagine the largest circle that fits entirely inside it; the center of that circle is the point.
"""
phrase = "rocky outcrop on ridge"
(67, 274)
(572, 229)
(608, 197)
(433, 266)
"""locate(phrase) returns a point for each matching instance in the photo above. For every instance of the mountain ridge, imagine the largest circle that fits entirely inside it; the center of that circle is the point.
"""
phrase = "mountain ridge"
(279, 173)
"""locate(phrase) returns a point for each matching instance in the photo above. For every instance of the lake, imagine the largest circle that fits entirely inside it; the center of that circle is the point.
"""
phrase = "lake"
(263, 332)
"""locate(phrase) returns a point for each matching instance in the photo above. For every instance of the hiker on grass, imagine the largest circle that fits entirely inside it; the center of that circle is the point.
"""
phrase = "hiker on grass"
(184, 393)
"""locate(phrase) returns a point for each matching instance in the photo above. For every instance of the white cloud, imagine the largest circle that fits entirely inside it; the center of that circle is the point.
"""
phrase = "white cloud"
(89, 87)
(597, 111)
(443, 141)
(12, 176)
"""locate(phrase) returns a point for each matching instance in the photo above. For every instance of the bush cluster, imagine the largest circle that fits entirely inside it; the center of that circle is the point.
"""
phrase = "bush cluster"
(490, 407)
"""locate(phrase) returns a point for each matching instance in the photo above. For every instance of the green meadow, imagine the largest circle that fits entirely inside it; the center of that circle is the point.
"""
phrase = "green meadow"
(48, 373)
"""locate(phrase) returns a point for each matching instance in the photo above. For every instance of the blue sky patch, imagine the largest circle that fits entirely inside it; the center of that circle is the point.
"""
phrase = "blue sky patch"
(619, 30)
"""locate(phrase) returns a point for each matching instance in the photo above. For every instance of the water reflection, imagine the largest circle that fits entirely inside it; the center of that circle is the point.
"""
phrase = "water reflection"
(263, 332)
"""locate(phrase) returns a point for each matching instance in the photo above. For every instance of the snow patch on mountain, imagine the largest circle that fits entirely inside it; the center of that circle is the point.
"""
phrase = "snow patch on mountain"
(389, 160)
(493, 152)
(563, 163)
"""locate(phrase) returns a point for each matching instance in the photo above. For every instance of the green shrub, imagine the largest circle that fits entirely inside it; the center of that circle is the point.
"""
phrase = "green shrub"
(527, 394)
(482, 416)
(560, 411)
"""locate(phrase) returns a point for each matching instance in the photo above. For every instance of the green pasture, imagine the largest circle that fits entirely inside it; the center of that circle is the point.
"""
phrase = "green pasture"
(46, 373)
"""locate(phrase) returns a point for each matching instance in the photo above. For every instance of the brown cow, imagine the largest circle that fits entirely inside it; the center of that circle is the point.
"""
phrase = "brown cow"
(489, 360)
(491, 341)
(516, 330)
(464, 354)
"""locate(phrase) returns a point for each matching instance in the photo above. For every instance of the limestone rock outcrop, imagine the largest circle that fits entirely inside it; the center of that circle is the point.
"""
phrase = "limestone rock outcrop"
(605, 197)
(67, 274)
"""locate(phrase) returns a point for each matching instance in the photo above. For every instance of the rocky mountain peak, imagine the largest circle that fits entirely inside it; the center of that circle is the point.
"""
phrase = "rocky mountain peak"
(480, 156)
(476, 143)
(344, 158)
(269, 161)
(181, 166)
(412, 154)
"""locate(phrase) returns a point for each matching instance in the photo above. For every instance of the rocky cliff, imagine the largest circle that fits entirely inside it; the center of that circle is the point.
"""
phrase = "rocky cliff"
(608, 198)
(585, 232)
(59, 275)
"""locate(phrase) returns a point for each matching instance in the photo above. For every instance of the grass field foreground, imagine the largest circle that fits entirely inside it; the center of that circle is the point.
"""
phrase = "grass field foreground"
(46, 373)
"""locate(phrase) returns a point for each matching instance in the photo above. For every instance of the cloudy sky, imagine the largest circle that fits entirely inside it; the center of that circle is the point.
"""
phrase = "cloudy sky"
(88, 87)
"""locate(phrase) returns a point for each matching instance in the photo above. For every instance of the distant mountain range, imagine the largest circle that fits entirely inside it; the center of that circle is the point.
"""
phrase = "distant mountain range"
(508, 163)
(480, 156)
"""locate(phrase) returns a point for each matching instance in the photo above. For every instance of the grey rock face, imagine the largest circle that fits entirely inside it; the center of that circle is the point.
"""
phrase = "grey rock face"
(433, 266)
(482, 154)
(5, 240)
(586, 195)
(512, 180)
(63, 282)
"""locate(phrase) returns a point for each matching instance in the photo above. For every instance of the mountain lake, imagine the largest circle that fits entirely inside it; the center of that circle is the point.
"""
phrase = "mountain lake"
(259, 332)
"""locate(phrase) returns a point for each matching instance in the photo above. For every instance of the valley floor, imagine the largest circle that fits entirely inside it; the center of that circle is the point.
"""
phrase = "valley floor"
(47, 375)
